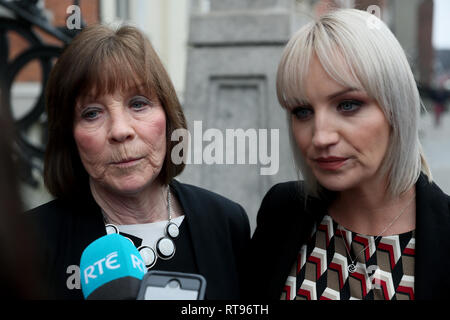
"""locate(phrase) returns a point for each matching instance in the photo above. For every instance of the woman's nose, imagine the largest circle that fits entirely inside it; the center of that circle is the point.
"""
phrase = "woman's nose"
(325, 133)
(121, 128)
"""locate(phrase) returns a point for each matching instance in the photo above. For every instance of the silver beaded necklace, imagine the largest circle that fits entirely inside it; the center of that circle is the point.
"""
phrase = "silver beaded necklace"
(164, 247)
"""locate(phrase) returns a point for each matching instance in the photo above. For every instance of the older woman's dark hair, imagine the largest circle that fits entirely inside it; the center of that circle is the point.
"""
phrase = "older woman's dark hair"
(100, 61)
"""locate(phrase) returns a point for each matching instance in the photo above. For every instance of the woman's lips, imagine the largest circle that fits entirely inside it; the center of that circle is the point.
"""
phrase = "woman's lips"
(330, 163)
(127, 162)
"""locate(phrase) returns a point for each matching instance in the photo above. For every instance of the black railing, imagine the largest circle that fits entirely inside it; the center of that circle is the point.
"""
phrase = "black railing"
(31, 125)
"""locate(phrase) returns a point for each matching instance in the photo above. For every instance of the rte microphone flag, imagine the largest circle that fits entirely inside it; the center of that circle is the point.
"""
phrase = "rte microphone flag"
(111, 268)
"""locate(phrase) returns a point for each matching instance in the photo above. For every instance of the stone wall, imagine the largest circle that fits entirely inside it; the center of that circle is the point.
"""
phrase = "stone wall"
(233, 54)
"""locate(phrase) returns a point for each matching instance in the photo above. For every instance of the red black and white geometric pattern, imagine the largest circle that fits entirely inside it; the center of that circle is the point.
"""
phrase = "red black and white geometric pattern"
(384, 270)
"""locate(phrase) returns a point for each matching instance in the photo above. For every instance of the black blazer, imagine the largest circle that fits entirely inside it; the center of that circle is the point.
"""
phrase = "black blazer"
(219, 230)
(284, 225)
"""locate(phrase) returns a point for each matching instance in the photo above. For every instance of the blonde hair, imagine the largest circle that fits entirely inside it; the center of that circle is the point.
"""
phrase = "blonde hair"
(361, 53)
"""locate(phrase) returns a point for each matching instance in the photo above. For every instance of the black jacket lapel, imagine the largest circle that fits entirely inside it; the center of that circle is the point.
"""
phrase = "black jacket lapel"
(432, 265)
(206, 233)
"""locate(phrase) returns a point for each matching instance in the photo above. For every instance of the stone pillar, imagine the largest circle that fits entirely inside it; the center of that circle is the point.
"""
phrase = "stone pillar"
(425, 36)
(405, 28)
(234, 51)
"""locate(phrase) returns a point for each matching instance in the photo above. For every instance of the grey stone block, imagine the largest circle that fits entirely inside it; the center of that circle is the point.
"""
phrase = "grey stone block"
(231, 73)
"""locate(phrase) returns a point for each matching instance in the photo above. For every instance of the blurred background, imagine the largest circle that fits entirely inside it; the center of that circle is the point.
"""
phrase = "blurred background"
(222, 57)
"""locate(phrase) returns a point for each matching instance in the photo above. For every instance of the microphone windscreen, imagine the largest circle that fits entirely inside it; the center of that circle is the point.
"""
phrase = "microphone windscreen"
(111, 268)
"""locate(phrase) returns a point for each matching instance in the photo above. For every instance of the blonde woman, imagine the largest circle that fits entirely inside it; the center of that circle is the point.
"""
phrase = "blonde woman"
(367, 222)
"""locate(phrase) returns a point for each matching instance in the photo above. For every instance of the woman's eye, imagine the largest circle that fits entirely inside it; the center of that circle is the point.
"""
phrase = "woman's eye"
(302, 113)
(139, 104)
(349, 106)
(90, 114)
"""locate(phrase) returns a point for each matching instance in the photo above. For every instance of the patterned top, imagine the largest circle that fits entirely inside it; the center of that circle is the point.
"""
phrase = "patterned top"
(384, 271)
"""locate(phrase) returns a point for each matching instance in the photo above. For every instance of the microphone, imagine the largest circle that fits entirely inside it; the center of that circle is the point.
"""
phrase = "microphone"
(111, 269)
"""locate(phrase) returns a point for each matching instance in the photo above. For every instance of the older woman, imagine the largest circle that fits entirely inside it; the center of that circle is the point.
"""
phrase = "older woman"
(367, 222)
(111, 110)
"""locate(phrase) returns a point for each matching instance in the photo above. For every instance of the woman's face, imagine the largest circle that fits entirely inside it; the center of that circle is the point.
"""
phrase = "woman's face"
(121, 139)
(342, 133)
